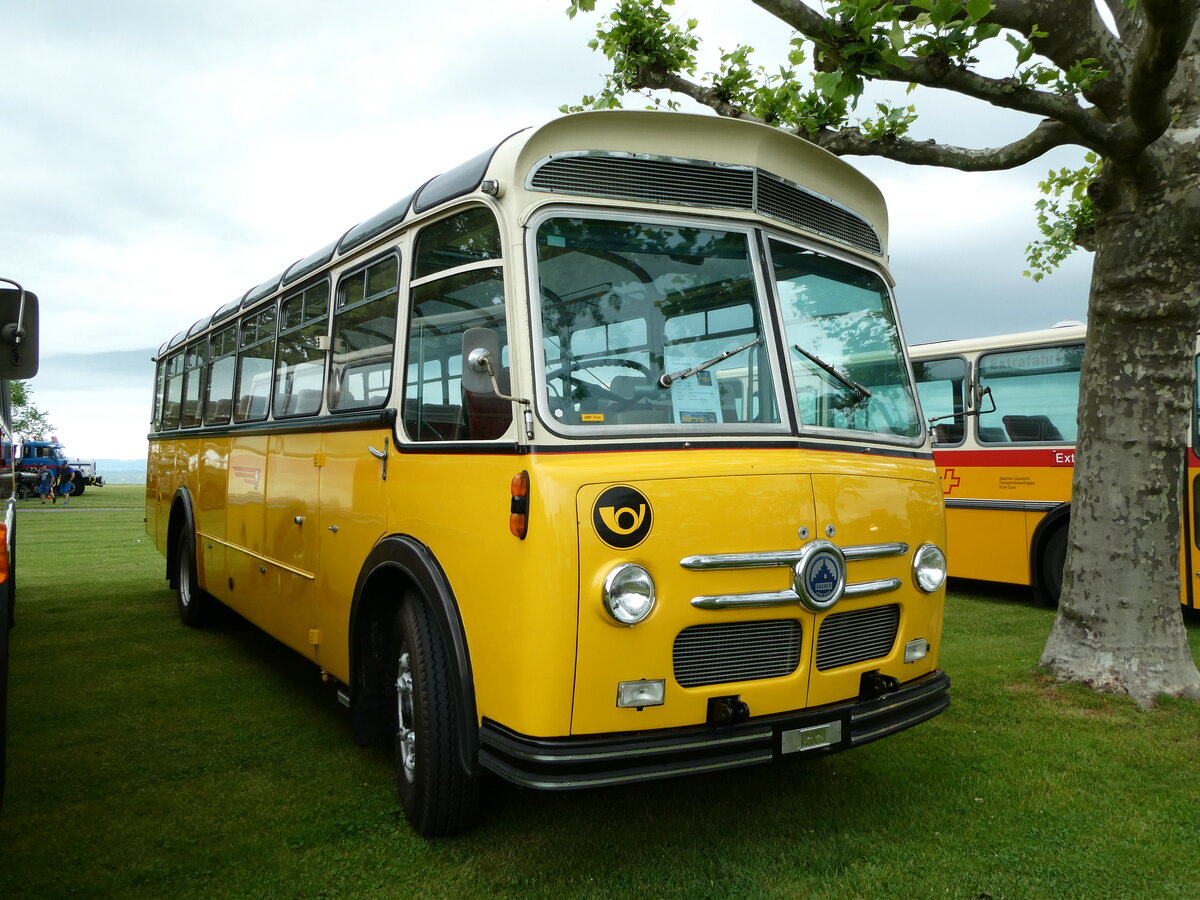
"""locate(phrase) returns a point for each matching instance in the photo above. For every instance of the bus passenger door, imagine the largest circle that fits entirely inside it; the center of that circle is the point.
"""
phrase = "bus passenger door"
(292, 504)
(245, 585)
(353, 517)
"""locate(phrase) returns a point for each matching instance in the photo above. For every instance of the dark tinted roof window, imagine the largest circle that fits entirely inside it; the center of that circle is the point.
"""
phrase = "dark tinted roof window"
(455, 183)
(376, 225)
(310, 263)
(263, 289)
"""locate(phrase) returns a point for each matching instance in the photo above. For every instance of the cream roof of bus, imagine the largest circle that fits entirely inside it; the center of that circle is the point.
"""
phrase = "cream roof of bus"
(679, 136)
(698, 137)
(1067, 332)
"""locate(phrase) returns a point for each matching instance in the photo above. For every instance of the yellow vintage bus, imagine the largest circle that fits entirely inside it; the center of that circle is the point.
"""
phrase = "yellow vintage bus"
(1002, 412)
(594, 460)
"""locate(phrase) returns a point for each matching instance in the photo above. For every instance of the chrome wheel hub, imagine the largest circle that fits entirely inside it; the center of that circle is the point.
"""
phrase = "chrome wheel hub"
(406, 733)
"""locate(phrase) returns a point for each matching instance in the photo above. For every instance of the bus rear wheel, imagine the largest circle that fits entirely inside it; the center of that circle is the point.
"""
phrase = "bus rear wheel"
(1053, 562)
(194, 605)
(439, 797)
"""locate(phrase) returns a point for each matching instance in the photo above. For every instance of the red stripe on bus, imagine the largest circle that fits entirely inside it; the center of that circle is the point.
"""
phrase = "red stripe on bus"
(1014, 458)
(1007, 458)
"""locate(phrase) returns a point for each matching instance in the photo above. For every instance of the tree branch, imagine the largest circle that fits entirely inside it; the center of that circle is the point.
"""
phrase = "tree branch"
(851, 142)
(1168, 26)
(1129, 21)
(1046, 136)
(1074, 31)
(939, 73)
(1006, 93)
(652, 78)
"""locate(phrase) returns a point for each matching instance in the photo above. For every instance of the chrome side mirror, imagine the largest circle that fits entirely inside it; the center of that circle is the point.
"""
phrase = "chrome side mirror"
(481, 360)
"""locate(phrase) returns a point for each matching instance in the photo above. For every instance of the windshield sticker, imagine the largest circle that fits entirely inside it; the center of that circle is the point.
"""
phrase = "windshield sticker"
(622, 517)
(592, 417)
(696, 399)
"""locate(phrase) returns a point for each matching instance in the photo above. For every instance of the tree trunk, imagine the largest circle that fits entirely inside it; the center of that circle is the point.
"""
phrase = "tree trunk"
(1119, 625)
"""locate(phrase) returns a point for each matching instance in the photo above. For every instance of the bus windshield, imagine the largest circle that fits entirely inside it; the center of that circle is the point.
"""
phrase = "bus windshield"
(846, 357)
(646, 324)
(654, 324)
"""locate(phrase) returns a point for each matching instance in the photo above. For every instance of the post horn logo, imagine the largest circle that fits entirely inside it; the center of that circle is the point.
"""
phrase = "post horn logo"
(622, 517)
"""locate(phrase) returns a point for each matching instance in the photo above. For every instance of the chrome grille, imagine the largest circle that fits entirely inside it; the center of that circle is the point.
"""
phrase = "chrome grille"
(695, 183)
(736, 651)
(852, 637)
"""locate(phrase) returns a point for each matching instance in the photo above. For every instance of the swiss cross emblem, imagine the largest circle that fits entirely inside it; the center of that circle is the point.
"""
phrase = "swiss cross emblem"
(949, 481)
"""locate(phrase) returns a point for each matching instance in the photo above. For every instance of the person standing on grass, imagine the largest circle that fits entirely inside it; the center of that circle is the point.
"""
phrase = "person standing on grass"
(45, 485)
(66, 483)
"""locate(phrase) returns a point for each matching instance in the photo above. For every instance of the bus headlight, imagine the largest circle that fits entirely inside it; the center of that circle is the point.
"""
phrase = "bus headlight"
(628, 593)
(929, 567)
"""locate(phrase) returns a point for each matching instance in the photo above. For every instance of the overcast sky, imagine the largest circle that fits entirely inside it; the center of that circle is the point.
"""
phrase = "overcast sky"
(159, 158)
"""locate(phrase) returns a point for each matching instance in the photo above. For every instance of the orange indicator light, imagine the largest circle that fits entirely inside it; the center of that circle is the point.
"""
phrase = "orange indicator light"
(518, 514)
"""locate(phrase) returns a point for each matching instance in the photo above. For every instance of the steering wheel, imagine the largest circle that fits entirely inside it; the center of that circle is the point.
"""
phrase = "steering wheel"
(597, 389)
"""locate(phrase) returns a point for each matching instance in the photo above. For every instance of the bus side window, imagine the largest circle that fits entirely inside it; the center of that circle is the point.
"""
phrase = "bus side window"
(1036, 391)
(255, 362)
(299, 361)
(193, 383)
(218, 399)
(451, 293)
(364, 336)
(941, 386)
(160, 393)
(173, 393)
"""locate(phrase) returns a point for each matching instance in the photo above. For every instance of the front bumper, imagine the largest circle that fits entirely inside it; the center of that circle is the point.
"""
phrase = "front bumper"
(563, 764)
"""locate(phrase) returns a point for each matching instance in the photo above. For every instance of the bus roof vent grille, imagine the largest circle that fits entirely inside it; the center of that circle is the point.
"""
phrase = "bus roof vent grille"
(625, 177)
(788, 203)
(681, 182)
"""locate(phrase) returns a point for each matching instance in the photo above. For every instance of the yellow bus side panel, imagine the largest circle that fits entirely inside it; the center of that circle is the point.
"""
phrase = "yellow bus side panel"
(517, 598)
(994, 544)
(350, 521)
(212, 487)
(987, 544)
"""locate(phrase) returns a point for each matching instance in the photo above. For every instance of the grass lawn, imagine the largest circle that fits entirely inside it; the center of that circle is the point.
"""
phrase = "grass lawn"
(148, 760)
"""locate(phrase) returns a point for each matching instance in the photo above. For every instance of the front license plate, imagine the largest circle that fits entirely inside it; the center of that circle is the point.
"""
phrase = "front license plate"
(811, 738)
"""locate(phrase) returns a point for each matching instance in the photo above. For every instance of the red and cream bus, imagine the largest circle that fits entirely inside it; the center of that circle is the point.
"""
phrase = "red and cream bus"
(1002, 414)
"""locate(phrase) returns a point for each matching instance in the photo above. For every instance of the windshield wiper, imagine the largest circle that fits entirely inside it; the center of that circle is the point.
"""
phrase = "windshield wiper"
(667, 380)
(860, 393)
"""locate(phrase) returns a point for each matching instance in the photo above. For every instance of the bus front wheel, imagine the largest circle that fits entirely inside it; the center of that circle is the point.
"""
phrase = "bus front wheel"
(439, 797)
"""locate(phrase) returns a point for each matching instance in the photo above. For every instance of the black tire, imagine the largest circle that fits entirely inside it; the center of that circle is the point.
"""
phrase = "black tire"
(77, 487)
(439, 797)
(11, 611)
(1052, 564)
(194, 604)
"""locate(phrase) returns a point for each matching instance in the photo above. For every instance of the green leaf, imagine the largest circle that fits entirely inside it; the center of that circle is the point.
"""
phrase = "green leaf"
(977, 9)
(945, 10)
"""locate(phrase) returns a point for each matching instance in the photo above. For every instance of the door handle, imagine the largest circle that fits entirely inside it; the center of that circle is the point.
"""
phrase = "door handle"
(381, 455)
